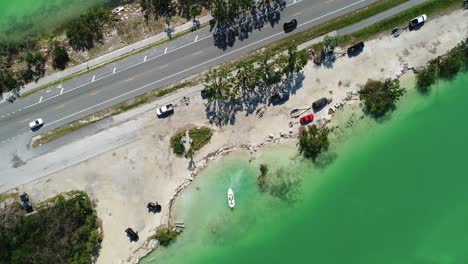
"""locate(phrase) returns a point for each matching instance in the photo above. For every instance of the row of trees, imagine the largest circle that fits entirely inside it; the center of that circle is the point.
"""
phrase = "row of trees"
(65, 232)
(222, 10)
(30, 65)
(380, 97)
(312, 141)
(222, 85)
(443, 67)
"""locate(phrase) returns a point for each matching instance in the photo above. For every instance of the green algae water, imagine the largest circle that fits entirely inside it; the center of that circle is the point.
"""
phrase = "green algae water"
(22, 18)
(395, 192)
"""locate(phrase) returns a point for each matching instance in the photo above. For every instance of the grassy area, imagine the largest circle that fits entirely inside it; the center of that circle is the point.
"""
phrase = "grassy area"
(98, 116)
(64, 232)
(200, 137)
(430, 8)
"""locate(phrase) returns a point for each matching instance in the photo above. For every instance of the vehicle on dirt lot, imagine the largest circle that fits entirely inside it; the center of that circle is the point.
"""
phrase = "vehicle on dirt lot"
(131, 234)
(165, 110)
(306, 119)
(26, 203)
(290, 26)
(356, 48)
(417, 21)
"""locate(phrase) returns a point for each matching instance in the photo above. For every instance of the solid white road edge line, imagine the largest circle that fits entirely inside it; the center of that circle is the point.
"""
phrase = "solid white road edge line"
(183, 46)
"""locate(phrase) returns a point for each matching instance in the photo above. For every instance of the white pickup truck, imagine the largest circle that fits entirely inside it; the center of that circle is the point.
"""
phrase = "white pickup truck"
(417, 20)
(165, 110)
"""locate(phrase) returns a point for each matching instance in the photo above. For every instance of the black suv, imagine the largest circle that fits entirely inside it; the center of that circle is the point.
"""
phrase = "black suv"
(131, 234)
(290, 26)
(26, 203)
(278, 98)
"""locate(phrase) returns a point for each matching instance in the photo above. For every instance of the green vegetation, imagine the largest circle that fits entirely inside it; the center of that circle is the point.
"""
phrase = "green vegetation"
(65, 232)
(165, 235)
(431, 7)
(254, 82)
(160, 8)
(330, 43)
(446, 66)
(380, 97)
(222, 85)
(84, 31)
(427, 76)
(312, 141)
(262, 179)
(139, 101)
(200, 137)
(60, 56)
(4, 196)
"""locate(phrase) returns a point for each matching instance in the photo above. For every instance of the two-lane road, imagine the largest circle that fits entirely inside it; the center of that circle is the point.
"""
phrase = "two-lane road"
(154, 68)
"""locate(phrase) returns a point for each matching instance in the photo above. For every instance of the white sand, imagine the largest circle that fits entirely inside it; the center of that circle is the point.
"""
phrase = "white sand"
(122, 181)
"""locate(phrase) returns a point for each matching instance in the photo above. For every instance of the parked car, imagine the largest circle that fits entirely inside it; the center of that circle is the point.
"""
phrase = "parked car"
(417, 21)
(356, 48)
(36, 124)
(306, 119)
(290, 26)
(165, 110)
(131, 234)
(26, 203)
(319, 104)
(279, 97)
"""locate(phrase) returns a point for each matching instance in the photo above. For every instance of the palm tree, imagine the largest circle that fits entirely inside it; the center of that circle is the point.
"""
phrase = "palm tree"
(245, 77)
(218, 86)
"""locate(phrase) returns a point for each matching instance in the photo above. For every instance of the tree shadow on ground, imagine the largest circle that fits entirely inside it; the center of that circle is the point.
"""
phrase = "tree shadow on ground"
(223, 112)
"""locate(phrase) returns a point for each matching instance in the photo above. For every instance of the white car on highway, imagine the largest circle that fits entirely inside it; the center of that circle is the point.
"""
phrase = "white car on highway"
(36, 124)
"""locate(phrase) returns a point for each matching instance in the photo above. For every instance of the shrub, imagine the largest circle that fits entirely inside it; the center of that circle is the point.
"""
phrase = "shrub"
(427, 76)
(60, 57)
(312, 141)
(7, 80)
(177, 146)
(380, 97)
(330, 43)
(165, 235)
(87, 29)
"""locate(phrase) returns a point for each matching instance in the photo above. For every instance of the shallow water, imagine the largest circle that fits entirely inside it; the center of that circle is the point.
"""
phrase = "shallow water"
(396, 192)
(21, 18)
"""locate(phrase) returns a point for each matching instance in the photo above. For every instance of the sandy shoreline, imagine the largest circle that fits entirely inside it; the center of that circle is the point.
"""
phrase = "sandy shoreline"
(123, 180)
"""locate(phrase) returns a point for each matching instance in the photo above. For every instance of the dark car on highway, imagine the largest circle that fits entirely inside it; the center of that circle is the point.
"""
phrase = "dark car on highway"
(290, 26)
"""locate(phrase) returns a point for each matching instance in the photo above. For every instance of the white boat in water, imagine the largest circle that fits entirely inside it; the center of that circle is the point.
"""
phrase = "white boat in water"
(231, 201)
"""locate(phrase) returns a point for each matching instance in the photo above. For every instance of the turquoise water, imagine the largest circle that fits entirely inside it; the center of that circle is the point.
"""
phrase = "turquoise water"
(396, 192)
(22, 18)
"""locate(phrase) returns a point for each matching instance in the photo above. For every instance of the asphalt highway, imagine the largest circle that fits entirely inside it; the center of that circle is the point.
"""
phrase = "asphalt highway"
(156, 67)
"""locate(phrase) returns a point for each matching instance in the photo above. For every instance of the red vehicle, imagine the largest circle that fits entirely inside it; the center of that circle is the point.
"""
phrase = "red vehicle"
(307, 119)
